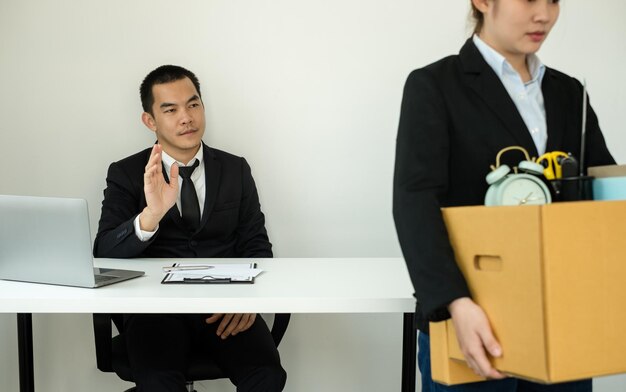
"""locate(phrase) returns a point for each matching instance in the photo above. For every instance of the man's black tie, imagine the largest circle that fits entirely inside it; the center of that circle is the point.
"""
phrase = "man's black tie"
(188, 197)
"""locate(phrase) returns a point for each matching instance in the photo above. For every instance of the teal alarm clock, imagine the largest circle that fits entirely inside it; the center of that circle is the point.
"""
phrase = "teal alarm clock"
(514, 189)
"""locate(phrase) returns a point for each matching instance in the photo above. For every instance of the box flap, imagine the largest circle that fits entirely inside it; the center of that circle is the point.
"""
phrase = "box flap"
(444, 369)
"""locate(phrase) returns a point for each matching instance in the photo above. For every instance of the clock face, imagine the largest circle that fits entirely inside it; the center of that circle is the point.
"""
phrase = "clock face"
(522, 189)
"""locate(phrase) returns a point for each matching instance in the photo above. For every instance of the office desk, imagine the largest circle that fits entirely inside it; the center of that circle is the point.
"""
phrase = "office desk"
(288, 285)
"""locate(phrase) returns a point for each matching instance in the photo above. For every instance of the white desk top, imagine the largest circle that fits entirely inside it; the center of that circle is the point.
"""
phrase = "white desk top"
(288, 285)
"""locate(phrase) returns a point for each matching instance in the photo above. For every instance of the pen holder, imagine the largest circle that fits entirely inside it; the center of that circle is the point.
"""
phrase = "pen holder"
(572, 188)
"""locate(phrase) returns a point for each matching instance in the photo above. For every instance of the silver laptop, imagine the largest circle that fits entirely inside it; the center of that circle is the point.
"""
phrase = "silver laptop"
(47, 240)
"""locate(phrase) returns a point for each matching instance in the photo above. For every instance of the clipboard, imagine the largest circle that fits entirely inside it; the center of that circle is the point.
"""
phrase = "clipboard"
(239, 273)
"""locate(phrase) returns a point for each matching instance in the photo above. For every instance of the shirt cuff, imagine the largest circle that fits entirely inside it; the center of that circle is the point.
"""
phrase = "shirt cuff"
(141, 234)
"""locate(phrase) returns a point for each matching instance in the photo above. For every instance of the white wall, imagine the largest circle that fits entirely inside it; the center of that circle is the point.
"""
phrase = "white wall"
(307, 91)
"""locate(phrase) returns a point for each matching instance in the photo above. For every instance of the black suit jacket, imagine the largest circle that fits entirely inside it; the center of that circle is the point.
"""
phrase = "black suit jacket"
(232, 222)
(455, 117)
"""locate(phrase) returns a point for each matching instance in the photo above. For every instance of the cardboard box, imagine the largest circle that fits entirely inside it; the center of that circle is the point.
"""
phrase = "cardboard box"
(552, 280)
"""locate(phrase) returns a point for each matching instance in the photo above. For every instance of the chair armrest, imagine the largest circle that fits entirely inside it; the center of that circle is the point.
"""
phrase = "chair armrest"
(281, 321)
(102, 333)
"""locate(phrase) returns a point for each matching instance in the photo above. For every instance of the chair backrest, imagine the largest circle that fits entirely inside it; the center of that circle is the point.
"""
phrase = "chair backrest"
(281, 322)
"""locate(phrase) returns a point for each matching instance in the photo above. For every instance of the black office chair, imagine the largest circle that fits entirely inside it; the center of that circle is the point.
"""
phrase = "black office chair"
(111, 355)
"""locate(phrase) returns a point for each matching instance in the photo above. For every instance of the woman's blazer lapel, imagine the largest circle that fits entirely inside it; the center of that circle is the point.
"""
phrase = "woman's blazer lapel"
(556, 110)
(479, 76)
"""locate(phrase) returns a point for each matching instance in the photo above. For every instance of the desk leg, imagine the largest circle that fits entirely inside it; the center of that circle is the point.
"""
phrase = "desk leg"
(409, 354)
(25, 351)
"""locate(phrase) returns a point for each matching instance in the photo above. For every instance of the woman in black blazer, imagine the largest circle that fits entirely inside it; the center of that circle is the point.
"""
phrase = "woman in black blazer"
(456, 115)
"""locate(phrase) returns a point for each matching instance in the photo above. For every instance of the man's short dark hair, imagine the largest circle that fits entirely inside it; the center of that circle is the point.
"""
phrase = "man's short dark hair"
(164, 74)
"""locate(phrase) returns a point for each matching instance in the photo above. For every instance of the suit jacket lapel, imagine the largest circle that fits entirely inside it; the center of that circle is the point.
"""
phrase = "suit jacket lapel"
(555, 113)
(212, 174)
(483, 80)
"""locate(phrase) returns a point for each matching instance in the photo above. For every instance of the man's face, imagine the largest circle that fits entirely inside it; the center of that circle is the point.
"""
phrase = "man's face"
(178, 119)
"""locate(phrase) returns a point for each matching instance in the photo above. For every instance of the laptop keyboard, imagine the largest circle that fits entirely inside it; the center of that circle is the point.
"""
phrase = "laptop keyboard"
(104, 278)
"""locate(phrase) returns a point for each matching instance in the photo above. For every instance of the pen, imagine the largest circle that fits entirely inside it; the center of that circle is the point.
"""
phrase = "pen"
(187, 268)
(208, 279)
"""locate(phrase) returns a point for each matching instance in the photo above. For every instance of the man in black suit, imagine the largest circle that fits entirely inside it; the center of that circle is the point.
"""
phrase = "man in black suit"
(181, 198)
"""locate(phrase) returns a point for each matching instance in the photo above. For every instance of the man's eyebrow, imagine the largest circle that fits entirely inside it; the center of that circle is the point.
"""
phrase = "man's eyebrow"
(166, 105)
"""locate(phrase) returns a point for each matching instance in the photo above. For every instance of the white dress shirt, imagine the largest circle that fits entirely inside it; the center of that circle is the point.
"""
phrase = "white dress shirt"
(528, 97)
(199, 183)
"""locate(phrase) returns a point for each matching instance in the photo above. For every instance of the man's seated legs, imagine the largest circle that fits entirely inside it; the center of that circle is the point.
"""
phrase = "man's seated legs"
(159, 346)
(250, 358)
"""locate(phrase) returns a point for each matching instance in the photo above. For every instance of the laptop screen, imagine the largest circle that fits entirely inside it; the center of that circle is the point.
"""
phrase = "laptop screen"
(46, 240)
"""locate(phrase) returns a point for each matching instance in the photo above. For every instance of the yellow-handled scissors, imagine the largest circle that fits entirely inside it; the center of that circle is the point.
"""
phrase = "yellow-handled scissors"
(551, 161)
